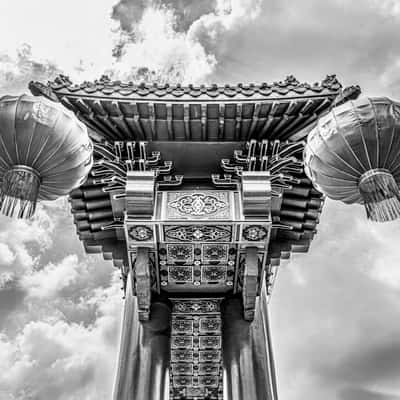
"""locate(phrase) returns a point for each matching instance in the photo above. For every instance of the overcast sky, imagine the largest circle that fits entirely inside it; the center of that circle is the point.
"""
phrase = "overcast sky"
(335, 311)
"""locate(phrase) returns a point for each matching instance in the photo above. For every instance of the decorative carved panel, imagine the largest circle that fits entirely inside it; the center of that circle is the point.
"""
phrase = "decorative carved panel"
(198, 233)
(196, 369)
(198, 205)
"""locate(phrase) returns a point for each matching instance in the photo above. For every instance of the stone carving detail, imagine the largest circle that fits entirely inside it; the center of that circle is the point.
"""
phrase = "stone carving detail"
(181, 342)
(210, 342)
(180, 252)
(199, 205)
(208, 325)
(181, 355)
(195, 306)
(180, 274)
(140, 233)
(255, 233)
(213, 273)
(181, 326)
(196, 233)
(209, 355)
(196, 370)
(215, 252)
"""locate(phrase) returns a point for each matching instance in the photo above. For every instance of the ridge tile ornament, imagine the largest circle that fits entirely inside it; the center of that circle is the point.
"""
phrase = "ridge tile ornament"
(198, 205)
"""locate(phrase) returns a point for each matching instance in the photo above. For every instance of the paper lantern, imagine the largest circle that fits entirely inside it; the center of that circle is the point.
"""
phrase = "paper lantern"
(353, 155)
(45, 152)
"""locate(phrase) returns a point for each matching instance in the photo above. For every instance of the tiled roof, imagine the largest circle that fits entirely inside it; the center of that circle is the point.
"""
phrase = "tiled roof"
(290, 87)
(126, 111)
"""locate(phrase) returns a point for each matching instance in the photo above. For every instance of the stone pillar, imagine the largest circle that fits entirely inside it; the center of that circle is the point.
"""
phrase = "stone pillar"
(143, 365)
(247, 352)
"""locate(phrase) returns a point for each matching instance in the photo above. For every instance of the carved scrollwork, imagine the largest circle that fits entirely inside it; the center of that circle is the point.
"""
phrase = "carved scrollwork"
(197, 233)
(198, 205)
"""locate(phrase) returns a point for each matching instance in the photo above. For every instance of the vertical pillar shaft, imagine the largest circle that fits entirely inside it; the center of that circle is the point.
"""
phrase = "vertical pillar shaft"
(142, 372)
(247, 352)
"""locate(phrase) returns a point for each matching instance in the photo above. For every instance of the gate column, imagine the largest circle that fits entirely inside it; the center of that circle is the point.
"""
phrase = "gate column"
(143, 365)
(249, 371)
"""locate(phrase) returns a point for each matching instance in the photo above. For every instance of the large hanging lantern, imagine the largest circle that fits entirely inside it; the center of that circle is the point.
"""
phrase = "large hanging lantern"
(45, 152)
(353, 155)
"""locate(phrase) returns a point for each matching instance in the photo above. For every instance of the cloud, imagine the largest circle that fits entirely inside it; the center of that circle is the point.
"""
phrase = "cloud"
(338, 327)
(54, 278)
(58, 359)
(17, 71)
(361, 394)
(129, 12)
(174, 39)
(6, 255)
(22, 242)
(157, 46)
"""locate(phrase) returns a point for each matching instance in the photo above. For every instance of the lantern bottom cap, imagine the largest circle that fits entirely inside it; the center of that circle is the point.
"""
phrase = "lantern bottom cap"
(19, 192)
(381, 195)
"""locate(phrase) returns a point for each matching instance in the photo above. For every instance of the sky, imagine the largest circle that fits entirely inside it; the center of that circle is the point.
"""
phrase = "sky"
(335, 312)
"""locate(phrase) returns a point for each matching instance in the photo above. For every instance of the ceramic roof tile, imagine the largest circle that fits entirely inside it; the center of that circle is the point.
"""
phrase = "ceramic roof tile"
(104, 85)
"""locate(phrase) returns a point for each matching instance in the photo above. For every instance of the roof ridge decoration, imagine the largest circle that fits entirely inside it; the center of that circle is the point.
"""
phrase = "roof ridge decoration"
(290, 86)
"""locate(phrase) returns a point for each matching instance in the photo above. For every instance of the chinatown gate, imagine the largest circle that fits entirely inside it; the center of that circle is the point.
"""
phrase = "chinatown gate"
(196, 194)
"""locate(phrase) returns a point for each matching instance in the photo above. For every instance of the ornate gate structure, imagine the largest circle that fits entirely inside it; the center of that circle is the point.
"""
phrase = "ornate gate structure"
(196, 194)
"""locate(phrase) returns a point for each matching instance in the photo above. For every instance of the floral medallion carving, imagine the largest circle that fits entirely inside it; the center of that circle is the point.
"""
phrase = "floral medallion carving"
(140, 233)
(255, 233)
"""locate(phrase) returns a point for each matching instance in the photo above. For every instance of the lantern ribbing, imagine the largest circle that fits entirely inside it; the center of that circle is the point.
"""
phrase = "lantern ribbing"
(45, 152)
(352, 156)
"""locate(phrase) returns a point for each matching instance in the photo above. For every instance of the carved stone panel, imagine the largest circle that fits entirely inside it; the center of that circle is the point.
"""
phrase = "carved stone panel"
(196, 349)
(198, 205)
(198, 233)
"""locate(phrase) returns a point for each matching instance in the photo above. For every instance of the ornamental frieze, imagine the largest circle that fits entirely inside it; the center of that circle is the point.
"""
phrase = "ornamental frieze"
(198, 233)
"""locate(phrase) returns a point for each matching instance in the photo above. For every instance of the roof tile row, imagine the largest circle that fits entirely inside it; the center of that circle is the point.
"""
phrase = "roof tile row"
(108, 87)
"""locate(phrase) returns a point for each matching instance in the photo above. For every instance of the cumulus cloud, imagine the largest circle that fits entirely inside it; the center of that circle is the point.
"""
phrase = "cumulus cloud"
(157, 46)
(57, 359)
(16, 71)
(54, 278)
(129, 12)
(22, 242)
(344, 314)
(361, 394)
(175, 39)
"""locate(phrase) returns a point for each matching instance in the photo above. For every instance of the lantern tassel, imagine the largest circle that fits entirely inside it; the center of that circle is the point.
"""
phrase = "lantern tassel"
(19, 192)
(381, 195)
